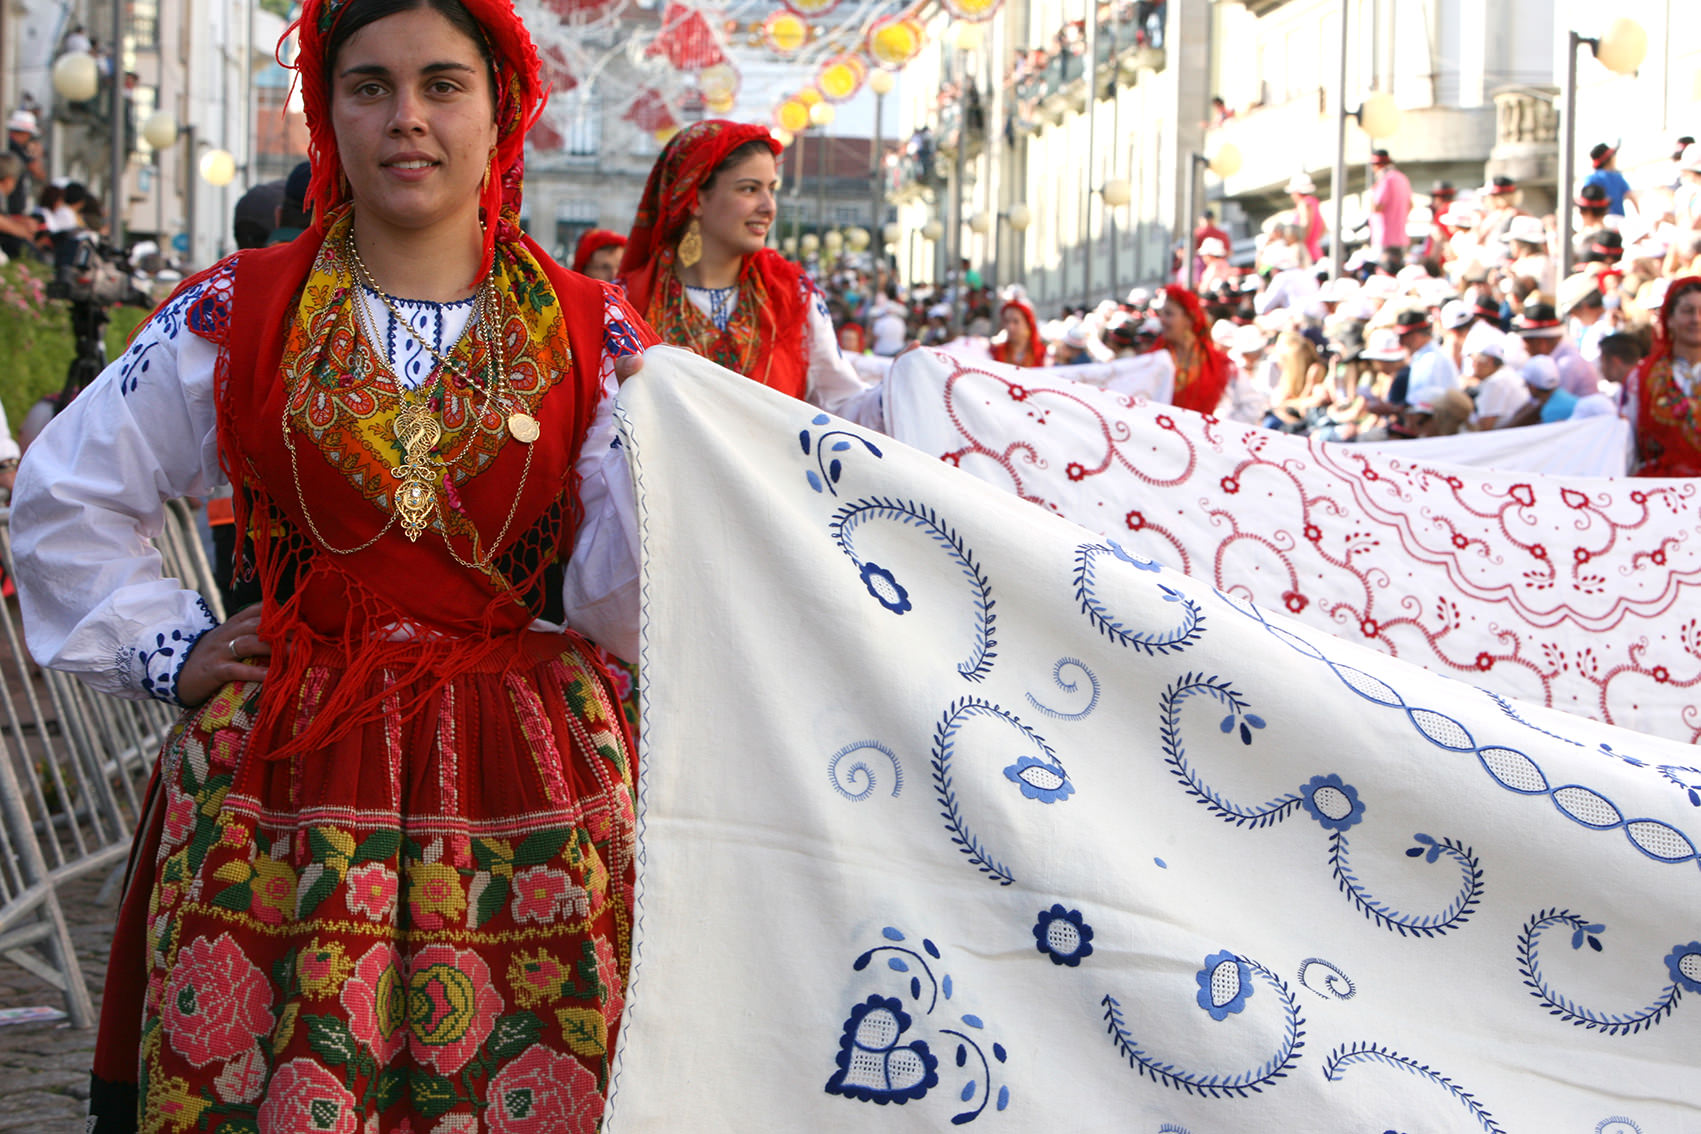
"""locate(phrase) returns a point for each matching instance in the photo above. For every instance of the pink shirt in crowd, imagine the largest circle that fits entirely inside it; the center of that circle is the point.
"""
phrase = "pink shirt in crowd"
(1391, 203)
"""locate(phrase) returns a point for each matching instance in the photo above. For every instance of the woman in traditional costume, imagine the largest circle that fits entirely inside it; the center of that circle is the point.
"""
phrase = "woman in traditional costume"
(384, 877)
(598, 252)
(697, 267)
(1021, 345)
(1201, 366)
(1662, 397)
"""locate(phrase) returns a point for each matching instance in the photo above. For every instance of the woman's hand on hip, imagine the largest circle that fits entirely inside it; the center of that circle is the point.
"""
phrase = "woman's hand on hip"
(228, 652)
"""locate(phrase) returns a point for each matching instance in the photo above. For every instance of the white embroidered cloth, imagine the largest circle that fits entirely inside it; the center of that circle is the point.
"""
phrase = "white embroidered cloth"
(1585, 446)
(954, 812)
(1574, 592)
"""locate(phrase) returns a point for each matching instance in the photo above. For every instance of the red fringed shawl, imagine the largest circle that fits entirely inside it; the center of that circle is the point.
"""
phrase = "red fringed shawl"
(335, 612)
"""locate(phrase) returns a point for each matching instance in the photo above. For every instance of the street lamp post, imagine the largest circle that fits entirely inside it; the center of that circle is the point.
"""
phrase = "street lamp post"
(1224, 163)
(1116, 193)
(1379, 117)
(880, 82)
(1621, 50)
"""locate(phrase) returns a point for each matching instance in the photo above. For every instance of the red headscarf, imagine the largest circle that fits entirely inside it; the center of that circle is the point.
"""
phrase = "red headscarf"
(1002, 352)
(665, 208)
(593, 242)
(1201, 388)
(520, 96)
(768, 281)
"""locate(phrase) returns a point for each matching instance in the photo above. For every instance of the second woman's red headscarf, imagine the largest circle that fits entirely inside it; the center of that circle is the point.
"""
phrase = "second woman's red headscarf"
(1667, 428)
(773, 285)
(520, 95)
(1202, 387)
(1004, 352)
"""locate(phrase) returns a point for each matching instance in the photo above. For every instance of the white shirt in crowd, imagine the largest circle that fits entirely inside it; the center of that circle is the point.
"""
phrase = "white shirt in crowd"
(1499, 396)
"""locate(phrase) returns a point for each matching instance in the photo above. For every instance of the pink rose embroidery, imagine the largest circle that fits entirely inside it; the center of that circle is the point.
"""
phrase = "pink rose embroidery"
(542, 894)
(217, 1003)
(452, 1005)
(544, 1092)
(304, 1097)
(376, 1000)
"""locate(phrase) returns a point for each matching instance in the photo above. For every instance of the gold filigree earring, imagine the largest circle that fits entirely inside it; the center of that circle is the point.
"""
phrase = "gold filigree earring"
(691, 244)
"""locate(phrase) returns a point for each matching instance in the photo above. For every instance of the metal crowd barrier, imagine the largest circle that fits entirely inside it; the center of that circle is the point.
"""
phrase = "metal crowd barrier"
(74, 767)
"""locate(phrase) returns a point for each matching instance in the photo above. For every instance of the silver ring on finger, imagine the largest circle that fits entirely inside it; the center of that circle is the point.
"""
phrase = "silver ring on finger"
(233, 650)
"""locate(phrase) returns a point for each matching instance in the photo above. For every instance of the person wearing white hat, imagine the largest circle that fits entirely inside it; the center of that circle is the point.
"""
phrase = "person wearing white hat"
(23, 140)
(1456, 319)
(1308, 214)
(1526, 241)
(1252, 374)
(1548, 401)
(1217, 270)
(1385, 397)
(1497, 388)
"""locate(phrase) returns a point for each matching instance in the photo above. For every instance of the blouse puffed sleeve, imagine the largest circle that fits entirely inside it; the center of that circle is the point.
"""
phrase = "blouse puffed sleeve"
(600, 587)
(90, 496)
(833, 382)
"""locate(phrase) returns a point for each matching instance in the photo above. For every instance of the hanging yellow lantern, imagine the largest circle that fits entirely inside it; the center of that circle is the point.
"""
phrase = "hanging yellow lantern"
(841, 77)
(812, 7)
(720, 105)
(895, 41)
(785, 32)
(664, 135)
(792, 116)
(808, 96)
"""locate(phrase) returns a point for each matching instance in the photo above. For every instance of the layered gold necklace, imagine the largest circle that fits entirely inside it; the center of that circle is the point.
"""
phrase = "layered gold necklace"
(418, 428)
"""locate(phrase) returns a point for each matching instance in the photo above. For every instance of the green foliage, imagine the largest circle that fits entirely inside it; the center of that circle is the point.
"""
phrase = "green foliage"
(36, 346)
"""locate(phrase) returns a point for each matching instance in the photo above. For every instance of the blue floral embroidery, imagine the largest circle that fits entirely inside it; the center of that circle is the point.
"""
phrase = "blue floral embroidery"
(1189, 628)
(1684, 964)
(873, 1066)
(1039, 780)
(1332, 803)
(825, 476)
(163, 664)
(1063, 935)
(883, 586)
(945, 741)
(1225, 985)
(1508, 767)
(1335, 983)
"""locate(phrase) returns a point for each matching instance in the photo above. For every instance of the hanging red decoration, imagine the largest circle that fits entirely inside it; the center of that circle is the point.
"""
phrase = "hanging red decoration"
(650, 111)
(686, 39)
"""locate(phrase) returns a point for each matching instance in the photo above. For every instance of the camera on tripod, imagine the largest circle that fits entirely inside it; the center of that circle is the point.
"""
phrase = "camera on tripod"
(97, 274)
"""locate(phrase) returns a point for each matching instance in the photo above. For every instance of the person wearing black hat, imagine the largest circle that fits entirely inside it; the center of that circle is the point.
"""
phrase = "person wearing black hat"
(1499, 205)
(256, 214)
(1543, 332)
(293, 218)
(1607, 176)
(1592, 203)
(1432, 371)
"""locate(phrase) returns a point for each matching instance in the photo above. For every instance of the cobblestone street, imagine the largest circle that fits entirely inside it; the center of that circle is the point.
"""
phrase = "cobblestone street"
(44, 1068)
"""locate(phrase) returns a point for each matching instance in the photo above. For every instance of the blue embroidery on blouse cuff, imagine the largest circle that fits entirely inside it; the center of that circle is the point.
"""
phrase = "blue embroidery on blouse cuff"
(162, 665)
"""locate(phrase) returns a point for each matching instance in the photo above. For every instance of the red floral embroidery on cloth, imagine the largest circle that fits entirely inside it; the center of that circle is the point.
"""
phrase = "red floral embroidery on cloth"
(1577, 593)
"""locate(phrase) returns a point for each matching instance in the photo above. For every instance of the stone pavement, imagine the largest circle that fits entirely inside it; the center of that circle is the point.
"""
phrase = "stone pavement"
(44, 1068)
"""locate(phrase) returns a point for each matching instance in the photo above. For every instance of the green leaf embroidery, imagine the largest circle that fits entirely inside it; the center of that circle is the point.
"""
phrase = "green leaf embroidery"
(432, 1093)
(378, 846)
(238, 897)
(514, 1034)
(491, 901)
(330, 1039)
(391, 1083)
(323, 887)
(541, 846)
